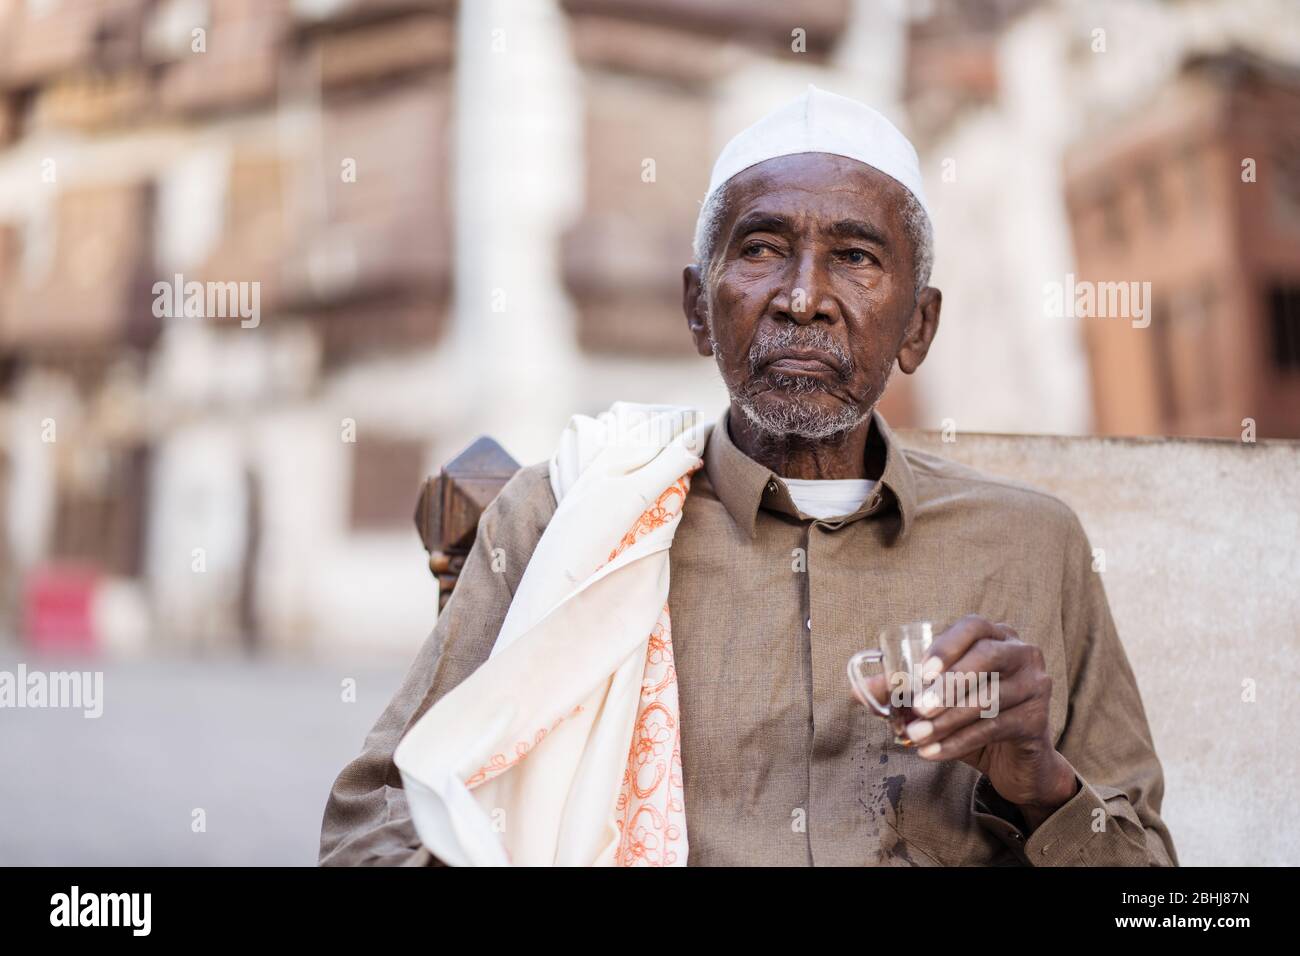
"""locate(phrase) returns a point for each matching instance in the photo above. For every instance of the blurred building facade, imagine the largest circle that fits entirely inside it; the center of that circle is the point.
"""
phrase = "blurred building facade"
(1205, 205)
(189, 479)
(1015, 106)
(462, 219)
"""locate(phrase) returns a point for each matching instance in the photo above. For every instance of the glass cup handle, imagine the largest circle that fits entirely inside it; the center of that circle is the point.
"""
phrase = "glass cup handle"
(858, 679)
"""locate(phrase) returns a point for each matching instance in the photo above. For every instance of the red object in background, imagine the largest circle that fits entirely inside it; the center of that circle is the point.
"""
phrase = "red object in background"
(57, 608)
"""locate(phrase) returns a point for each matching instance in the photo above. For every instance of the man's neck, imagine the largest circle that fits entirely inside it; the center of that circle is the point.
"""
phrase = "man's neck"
(851, 454)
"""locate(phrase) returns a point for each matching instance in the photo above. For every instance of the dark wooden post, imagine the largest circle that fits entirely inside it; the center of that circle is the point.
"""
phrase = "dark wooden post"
(451, 503)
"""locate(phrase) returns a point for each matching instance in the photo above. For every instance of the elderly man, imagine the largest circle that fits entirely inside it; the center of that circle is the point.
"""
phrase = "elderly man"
(800, 532)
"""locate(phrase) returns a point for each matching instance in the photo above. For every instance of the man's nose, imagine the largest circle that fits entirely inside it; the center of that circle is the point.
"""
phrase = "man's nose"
(806, 297)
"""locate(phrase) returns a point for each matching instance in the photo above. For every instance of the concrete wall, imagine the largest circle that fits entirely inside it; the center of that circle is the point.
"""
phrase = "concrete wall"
(1201, 540)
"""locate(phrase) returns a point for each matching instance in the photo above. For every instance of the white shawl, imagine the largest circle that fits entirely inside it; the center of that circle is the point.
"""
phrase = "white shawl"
(564, 747)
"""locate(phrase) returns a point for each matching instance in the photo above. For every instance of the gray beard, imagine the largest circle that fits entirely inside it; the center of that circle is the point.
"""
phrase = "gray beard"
(795, 417)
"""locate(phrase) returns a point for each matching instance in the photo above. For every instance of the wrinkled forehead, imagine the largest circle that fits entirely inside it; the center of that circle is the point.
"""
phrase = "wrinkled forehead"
(811, 187)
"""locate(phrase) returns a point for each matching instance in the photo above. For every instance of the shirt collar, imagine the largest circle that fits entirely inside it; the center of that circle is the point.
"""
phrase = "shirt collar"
(743, 485)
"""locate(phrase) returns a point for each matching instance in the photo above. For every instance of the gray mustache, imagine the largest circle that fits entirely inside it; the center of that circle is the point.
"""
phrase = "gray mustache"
(798, 337)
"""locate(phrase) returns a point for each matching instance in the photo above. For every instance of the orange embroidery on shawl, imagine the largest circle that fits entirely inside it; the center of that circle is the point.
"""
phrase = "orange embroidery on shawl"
(651, 801)
(666, 507)
(499, 763)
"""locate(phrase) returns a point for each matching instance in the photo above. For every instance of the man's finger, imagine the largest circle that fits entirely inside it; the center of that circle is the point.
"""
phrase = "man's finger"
(1009, 725)
(946, 722)
(949, 646)
(986, 656)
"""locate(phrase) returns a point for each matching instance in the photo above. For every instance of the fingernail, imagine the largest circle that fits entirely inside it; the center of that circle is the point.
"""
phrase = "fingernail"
(931, 667)
(918, 730)
(931, 700)
(929, 750)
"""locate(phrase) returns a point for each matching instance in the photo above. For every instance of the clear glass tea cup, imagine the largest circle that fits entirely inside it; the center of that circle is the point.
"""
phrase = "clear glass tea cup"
(902, 648)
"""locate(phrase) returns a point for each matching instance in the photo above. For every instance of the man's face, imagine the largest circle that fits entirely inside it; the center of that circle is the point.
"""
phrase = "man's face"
(811, 297)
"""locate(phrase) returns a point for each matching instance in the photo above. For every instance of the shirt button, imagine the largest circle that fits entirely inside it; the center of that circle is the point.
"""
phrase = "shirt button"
(771, 486)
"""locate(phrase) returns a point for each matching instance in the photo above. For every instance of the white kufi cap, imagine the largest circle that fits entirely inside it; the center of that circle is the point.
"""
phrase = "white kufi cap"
(821, 122)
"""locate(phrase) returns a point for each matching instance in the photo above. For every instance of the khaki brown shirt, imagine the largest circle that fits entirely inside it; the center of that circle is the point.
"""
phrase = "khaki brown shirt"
(781, 765)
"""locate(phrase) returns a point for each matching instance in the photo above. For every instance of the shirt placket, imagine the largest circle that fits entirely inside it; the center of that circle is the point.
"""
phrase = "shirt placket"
(827, 617)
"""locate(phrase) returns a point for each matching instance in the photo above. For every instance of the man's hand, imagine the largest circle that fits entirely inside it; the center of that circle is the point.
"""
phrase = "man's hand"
(1014, 748)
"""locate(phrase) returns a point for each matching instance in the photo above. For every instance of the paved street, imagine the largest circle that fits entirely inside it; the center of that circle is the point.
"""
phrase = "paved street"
(253, 744)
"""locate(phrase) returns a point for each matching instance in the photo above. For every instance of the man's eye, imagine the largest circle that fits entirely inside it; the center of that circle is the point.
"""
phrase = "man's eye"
(753, 249)
(856, 257)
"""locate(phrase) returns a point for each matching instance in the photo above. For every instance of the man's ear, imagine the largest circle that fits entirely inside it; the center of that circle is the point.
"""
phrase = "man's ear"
(695, 309)
(921, 329)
